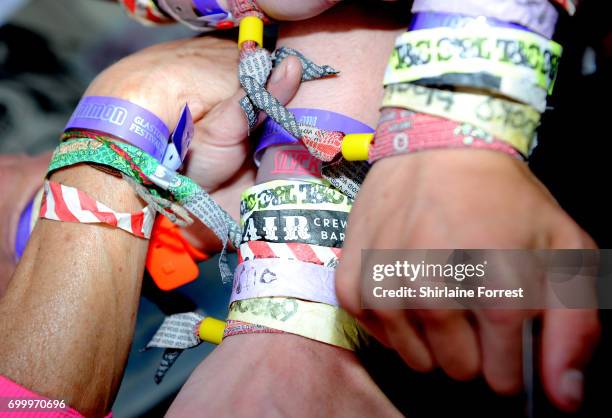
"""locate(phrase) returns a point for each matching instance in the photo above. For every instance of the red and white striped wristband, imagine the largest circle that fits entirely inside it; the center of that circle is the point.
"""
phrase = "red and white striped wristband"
(67, 204)
(308, 253)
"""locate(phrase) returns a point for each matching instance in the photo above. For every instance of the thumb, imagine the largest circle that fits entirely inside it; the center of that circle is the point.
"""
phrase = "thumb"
(295, 10)
(226, 124)
(220, 146)
(568, 340)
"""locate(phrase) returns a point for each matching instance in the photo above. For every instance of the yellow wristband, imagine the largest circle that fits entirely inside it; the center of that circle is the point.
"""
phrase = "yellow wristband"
(510, 122)
(515, 63)
(317, 321)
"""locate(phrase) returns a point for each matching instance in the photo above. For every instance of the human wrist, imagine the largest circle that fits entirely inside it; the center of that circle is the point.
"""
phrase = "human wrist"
(448, 162)
(351, 25)
(112, 191)
(284, 350)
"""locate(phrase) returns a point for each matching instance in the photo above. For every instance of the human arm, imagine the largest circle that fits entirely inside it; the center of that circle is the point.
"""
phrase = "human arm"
(247, 367)
(76, 290)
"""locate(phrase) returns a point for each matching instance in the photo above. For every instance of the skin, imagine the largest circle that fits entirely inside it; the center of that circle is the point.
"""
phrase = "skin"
(557, 361)
(309, 370)
(76, 290)
(17, 186)
(432, 218)
(284, 10)
(473, 205)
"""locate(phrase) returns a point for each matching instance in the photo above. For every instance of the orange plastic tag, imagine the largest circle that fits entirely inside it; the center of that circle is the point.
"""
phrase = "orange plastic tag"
(171, 260)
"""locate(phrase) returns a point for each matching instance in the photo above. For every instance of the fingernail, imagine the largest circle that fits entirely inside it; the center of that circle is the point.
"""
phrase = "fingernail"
(572, 386)
(279, 73)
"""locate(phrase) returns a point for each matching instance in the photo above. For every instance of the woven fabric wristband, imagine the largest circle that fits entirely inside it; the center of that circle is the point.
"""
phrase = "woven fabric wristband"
(137, 164)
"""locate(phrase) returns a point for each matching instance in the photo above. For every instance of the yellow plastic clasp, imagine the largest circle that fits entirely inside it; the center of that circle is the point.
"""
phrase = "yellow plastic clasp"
(356, 147)
(251, 29)
(211, 330)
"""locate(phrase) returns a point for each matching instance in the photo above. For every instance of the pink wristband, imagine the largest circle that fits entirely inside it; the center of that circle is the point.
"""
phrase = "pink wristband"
(401, 131)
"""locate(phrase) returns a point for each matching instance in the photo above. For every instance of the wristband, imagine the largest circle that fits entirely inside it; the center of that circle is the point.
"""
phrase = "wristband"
(568, 5)
(246, 8)
(286, 278)
(67, 204)
(346, 176)
(136, 163)
(135, 125)
(292, 194)
(318, 227)
(274, 134)
(510, 122)
(26, 223)
(199, 15)
(145, 12)
(515, 63)
(432, 20)
(293, 162)
(238, 328)
(315, 254)
(317, 321)
(403, 132)
(538, 15)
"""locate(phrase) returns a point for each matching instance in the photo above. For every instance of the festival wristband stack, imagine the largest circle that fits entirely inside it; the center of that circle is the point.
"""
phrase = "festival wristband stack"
(171, 261)
(292, 234)
(157, 180)
(467, 74)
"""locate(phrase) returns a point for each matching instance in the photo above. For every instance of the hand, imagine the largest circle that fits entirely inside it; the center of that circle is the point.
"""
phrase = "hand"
(296, 10)
(468, 200)
(201, 72)
(280, 375)
(302, 10)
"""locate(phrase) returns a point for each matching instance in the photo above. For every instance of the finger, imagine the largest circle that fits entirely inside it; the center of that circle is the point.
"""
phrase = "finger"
(568, 340)
(226, 123)
(404, 338)
(222, 135)
(453, 342)
(295, 10)
(501, 346)
(567, 234)
(348, 274)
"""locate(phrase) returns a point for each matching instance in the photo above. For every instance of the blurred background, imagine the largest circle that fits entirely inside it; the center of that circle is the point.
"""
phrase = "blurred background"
(51, 49)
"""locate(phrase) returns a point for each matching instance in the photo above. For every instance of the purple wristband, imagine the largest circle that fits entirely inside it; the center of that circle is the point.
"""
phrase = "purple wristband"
(208, 7)
(23, 230)
(124, 120)
(135, 125)
(274, 134)
(431, 20)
